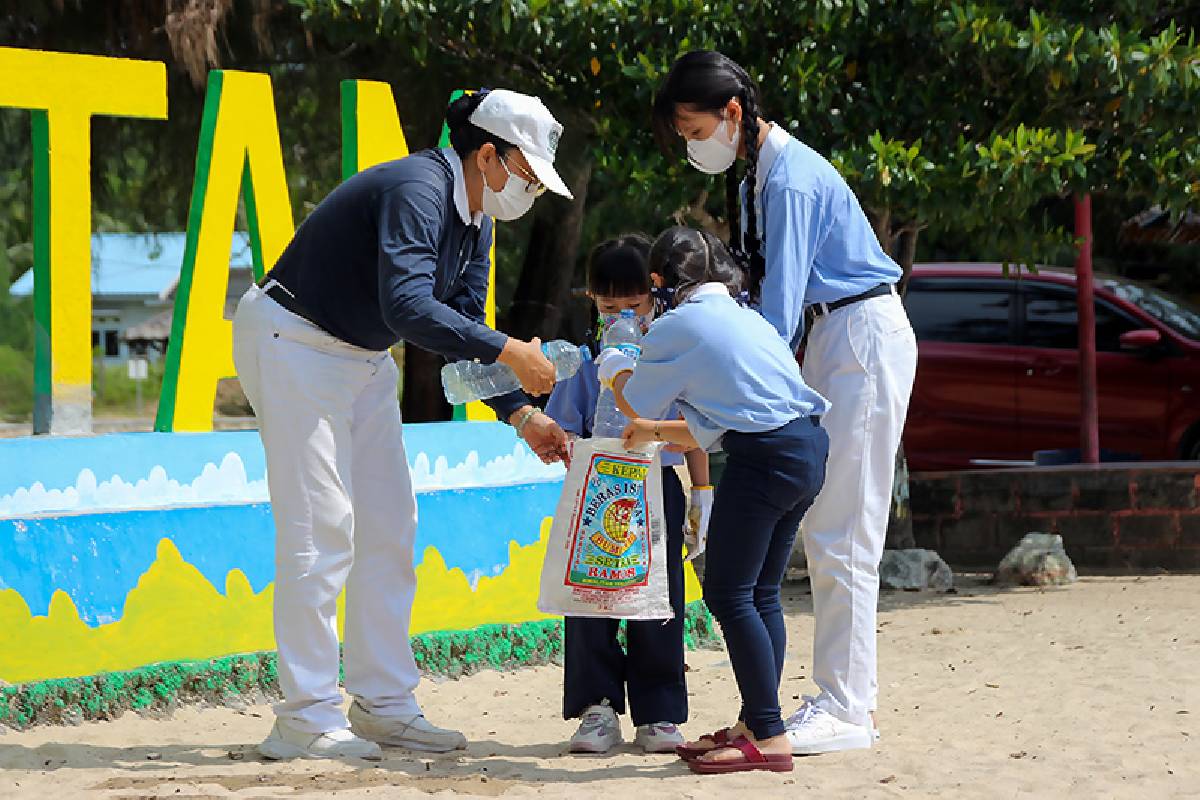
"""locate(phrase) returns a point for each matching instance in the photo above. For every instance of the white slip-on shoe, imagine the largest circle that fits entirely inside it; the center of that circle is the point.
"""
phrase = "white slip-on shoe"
(813, 730)
(599, 730)
(286, 742)
(659, 737)
(410, 731)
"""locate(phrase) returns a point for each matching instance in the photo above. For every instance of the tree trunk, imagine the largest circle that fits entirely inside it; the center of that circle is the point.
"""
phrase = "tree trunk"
(906, 253)
(881, 221)
(543, 292)
(900, 527)
(423, 399)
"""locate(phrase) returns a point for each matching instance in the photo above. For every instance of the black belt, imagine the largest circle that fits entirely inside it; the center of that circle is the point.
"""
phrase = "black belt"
(282, 295)
(821, 309)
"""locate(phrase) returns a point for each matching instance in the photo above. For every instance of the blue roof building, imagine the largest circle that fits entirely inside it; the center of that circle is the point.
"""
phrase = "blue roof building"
(134, 276)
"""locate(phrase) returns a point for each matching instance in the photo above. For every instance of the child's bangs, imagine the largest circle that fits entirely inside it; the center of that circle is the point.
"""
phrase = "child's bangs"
(619, 272)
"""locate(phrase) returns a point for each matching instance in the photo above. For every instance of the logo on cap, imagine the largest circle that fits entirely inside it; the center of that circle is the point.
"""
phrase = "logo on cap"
(553, 142)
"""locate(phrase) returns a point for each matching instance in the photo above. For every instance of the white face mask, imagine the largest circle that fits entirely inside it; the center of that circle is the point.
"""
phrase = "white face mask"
(510, 202)
(715, 154)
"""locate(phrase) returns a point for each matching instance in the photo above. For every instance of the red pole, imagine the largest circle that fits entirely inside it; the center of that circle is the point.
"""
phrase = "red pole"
(1089, 414)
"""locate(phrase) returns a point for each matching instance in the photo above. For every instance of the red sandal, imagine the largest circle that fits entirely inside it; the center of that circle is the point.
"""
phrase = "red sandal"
(719, 739)
(752, 760)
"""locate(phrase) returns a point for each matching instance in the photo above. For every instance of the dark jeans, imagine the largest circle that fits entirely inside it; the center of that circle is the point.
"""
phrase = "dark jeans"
(770, 481)
(597, 669)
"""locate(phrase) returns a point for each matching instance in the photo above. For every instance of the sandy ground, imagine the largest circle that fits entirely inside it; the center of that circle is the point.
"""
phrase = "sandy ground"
(1090, 691)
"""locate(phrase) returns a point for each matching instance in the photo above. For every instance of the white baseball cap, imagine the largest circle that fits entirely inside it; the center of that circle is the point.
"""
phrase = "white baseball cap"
(524, 121)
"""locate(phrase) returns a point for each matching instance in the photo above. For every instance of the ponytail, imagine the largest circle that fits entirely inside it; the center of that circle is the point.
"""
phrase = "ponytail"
(465, 136)
(687, 258)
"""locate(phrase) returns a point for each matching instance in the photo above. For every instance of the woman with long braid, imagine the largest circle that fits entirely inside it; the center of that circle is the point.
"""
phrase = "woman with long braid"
(808, 247)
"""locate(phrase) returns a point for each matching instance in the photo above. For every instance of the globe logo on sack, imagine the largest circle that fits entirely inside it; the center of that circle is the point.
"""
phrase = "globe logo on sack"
(617, 517)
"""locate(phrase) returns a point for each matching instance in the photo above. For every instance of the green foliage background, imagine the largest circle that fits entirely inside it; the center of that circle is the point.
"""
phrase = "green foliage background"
(964, 127)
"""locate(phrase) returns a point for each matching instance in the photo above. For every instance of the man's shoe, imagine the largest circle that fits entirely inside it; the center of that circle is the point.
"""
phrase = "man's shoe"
(813, 730)
(287, 742)
(599, 730)
(660, 737)
(410, 731)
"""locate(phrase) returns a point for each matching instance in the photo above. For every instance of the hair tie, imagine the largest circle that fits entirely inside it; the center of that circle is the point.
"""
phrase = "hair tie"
(664, 295)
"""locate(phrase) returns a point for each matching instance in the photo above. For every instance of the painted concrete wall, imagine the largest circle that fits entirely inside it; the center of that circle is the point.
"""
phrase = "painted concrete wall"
(123, 550)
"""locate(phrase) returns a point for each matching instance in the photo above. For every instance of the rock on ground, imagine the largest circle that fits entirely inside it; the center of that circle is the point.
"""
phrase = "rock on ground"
(914, 569)
(1039, 559)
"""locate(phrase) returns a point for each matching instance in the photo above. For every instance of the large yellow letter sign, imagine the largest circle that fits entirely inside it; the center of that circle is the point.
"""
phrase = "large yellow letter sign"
(239, 147)
(64, 91)
(371, 132)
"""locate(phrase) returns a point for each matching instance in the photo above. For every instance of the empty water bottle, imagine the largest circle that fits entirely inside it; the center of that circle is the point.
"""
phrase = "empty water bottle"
(625, 335)
(467, 381)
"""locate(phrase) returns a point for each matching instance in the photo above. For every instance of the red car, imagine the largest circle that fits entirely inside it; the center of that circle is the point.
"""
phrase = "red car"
(998, 368)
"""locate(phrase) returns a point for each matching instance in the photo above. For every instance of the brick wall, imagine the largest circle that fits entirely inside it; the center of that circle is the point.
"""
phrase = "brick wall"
(1111, 515)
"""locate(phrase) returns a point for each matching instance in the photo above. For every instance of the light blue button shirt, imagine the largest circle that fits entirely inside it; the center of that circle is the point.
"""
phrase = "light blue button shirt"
(818, 244)
(572, 404)
(724, 366)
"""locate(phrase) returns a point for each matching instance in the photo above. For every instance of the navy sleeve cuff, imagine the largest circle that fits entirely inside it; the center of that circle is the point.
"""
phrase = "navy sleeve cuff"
(507, 404)
(488, 345)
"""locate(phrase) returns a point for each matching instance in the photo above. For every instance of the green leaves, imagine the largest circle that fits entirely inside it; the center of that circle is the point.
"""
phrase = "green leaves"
(960, 116)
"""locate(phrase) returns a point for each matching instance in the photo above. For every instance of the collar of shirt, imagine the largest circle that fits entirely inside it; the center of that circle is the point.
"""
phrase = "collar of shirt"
(707, 289)
(460, 189)
(777, 139)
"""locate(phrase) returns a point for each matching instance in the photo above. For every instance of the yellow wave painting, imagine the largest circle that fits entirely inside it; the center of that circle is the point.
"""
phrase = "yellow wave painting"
(175, 613)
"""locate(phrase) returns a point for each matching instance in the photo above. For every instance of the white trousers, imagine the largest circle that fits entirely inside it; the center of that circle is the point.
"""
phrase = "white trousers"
(340, 487)
(862, 358)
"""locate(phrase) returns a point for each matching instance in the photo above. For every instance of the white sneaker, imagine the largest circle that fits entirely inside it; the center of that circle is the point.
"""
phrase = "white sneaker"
(659, 737)
(410, 731)
(286, 742)
(813, 730)
(599, 730)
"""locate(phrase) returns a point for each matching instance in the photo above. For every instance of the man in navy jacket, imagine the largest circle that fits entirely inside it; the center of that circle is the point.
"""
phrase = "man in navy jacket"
(398, 252)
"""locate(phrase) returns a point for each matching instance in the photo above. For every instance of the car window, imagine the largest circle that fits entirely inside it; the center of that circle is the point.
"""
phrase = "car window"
(1168, 309)
(1052, 320)
(951, 312)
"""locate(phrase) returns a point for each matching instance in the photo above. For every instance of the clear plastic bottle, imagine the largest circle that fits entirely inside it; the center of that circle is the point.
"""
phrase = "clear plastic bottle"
(625, 335)
(467, 381)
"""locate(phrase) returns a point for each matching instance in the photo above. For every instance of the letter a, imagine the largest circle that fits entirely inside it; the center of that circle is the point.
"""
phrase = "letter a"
(239, 147)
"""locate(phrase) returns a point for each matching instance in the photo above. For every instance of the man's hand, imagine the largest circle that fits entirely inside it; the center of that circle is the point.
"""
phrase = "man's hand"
(544, 437)
(533, 369)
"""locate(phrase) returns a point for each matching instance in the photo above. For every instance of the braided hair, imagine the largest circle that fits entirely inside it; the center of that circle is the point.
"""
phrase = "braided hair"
(704, 80)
